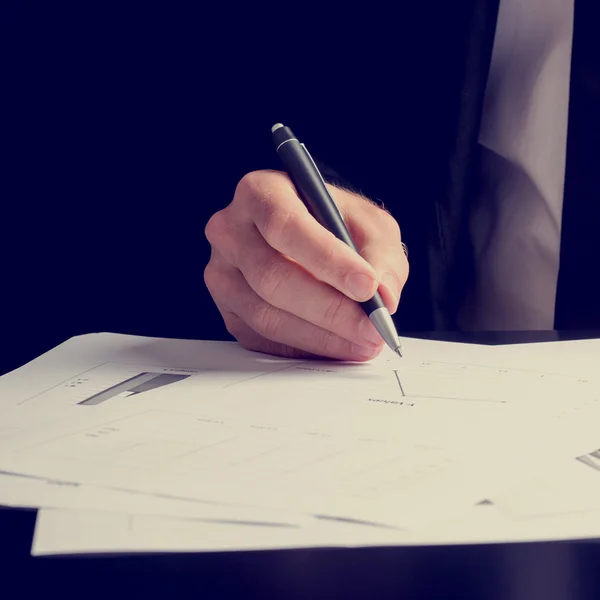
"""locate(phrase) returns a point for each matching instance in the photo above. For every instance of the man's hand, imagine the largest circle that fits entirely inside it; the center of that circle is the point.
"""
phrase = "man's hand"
(287, 286)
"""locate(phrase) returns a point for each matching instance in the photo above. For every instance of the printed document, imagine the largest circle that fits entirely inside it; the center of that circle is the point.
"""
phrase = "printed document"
(396, 443)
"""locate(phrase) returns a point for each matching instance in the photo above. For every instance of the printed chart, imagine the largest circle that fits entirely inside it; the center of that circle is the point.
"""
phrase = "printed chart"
(110, 381)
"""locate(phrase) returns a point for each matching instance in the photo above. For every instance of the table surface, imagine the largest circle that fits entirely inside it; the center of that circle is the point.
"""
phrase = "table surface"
(524, 571)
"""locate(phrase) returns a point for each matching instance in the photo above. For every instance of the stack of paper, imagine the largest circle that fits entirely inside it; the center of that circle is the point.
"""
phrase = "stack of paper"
(143, 444)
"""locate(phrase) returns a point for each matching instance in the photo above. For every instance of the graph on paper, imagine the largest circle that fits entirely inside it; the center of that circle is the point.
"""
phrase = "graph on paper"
(111, 381)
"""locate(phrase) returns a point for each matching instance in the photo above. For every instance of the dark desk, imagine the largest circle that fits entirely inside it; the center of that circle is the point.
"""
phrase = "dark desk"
(526, 571)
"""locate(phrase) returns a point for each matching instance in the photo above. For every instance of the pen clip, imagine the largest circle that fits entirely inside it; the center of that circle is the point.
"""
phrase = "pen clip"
(312, 160)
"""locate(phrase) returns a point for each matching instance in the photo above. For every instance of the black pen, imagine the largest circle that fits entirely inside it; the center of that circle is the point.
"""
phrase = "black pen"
(310, 185)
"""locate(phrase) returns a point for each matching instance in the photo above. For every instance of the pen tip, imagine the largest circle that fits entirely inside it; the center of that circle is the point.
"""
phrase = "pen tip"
(398, 351)
(276, 127)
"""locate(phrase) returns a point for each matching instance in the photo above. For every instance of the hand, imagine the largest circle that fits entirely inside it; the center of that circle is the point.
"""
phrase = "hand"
(287, 286)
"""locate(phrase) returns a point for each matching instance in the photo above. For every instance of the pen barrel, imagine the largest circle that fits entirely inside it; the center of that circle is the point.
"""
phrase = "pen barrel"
(312, 190)
(373, 304)
(314, 194)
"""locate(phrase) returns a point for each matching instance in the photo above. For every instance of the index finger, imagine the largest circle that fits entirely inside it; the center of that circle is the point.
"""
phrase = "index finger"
(285, 223)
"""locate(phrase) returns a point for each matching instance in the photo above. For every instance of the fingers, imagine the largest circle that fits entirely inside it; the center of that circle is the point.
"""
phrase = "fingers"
(258, 325)
(379, 242)
(285, 284)
(287, 226)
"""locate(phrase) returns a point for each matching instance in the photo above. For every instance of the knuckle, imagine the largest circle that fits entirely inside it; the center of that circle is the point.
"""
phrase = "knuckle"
(402, 269)
(264, 198)
(219, 284)
(403, 275)
(256, 188)
(327, 342)
(269, 277)
(334, 313)
(400, 275)
(383, 219)
(218, 281)
(211, 277)
(260, 197)
(216, 227)
(326, 259)
(266, 320)
(387, 222)
(393, 225)
(251, 184)
(277, 223)
(235, 327)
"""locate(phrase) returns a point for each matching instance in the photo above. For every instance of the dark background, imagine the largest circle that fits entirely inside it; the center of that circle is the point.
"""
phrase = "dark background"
(126, 125)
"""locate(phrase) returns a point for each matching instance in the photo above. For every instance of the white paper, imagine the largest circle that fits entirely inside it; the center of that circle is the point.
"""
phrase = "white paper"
(399, 442)
(63, 531)
(27, 492)
(556, 488)
(85, 532)
(144, 440)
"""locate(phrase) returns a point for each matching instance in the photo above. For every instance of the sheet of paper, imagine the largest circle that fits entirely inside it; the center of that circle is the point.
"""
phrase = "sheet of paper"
(85, 532)
(28, 492)
(121, 388)
(398, 441)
